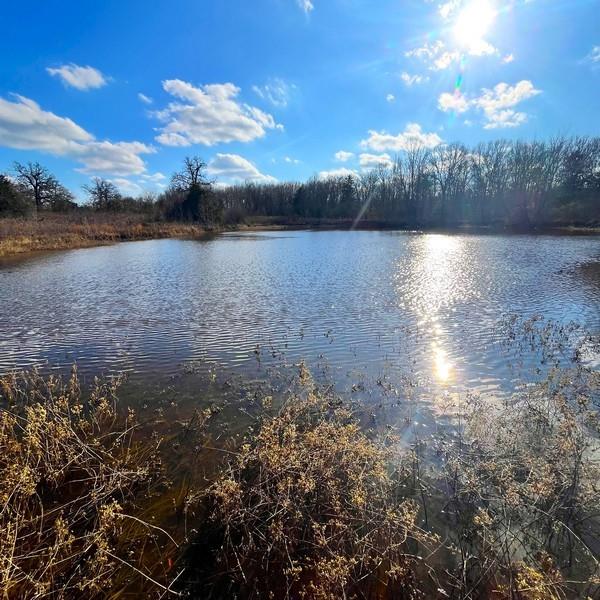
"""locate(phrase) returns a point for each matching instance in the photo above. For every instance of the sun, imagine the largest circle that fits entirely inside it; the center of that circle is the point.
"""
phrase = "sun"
(473, 22)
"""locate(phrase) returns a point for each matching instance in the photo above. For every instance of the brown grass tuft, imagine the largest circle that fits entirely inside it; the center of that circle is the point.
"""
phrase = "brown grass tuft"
(69, 471)
(309, 509)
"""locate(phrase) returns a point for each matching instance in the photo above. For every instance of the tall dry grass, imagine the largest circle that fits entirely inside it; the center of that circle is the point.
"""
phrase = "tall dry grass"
(501, 504)
(62, 231)
(311, 508)
(71, 473)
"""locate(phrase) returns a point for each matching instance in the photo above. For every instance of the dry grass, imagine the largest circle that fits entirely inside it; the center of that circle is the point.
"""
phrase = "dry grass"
(308, 506)
(58, 232)
(523, 486)
(70, 471)
(311, 508)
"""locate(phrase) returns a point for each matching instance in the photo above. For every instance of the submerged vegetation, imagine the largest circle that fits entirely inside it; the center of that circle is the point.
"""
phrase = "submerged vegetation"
(313, 501)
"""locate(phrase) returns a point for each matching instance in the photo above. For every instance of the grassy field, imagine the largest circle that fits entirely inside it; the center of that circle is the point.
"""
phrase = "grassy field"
(60, 232)
(54, 231)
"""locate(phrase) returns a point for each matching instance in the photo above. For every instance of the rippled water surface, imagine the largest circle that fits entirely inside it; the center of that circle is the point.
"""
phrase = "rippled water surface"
(390, 302)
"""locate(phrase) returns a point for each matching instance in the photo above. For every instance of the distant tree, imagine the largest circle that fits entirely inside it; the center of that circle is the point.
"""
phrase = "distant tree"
(12, 201)
(191, 197)
(103, 195)
(61, 199)
(37, 182)
(192, 174)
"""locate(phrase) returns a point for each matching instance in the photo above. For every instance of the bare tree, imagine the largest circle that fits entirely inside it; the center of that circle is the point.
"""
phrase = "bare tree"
(192, 175)
(103, 194)
(37, 182)
(450, 171)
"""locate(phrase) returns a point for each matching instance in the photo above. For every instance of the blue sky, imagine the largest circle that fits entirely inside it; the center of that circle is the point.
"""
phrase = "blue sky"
(285, 89)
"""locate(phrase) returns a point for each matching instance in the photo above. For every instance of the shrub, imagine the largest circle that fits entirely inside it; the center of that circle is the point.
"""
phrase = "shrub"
(13, 203)
(308, 509)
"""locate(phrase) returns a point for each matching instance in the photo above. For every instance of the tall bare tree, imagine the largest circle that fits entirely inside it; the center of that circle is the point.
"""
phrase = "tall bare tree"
(193, 174)
(103, 194)
(37, 182)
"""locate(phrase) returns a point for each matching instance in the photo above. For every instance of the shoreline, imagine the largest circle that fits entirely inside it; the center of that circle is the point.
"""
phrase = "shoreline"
(58, 232)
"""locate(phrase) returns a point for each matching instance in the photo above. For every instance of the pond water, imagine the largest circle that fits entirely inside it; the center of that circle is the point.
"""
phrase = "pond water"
(383, 303)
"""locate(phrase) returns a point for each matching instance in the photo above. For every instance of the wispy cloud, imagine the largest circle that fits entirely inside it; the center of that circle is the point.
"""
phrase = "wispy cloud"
(594, 56)
(306, 5)
(276, 91)
(80, 78)
(446, 9)
(145, 99)
(373, 161)
(435, 56)
(411, 80)
(341, 172)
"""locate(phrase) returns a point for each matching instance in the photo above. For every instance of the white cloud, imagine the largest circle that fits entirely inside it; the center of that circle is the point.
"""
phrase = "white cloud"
(155, 177)
(234, 168)
(453, 102)
(426, 51)
(291, 161)
(410, 80)
(26, 126)
(481, 48)
(127, 187)
(276, 91)
(412, 136)
(444, 60)
(372, 161)
(447, 8)
(497, 104)
(341, 172)
(390, 98)
(208, 115)
(145, 99)
(438, 57)
(343, 156)
(594, 55)
(508, 58)
(306, 5)
(145, 183)
(120, 158)
(434, 55)
(81, 78)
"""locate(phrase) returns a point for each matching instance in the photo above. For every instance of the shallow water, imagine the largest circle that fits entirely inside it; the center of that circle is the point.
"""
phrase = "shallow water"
(380, 303)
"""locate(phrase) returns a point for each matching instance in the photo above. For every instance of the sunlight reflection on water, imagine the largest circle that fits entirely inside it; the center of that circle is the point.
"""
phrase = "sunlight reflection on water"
(388, 303)
(438, 275)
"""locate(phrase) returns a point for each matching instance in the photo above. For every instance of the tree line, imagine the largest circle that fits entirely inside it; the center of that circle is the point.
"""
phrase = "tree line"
(30, 189)
(517, 184)
(500, 183)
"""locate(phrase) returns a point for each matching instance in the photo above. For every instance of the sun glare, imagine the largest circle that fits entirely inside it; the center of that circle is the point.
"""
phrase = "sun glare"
(473, 22)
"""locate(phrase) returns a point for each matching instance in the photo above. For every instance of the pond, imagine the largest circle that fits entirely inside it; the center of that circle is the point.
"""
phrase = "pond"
(381, 303)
